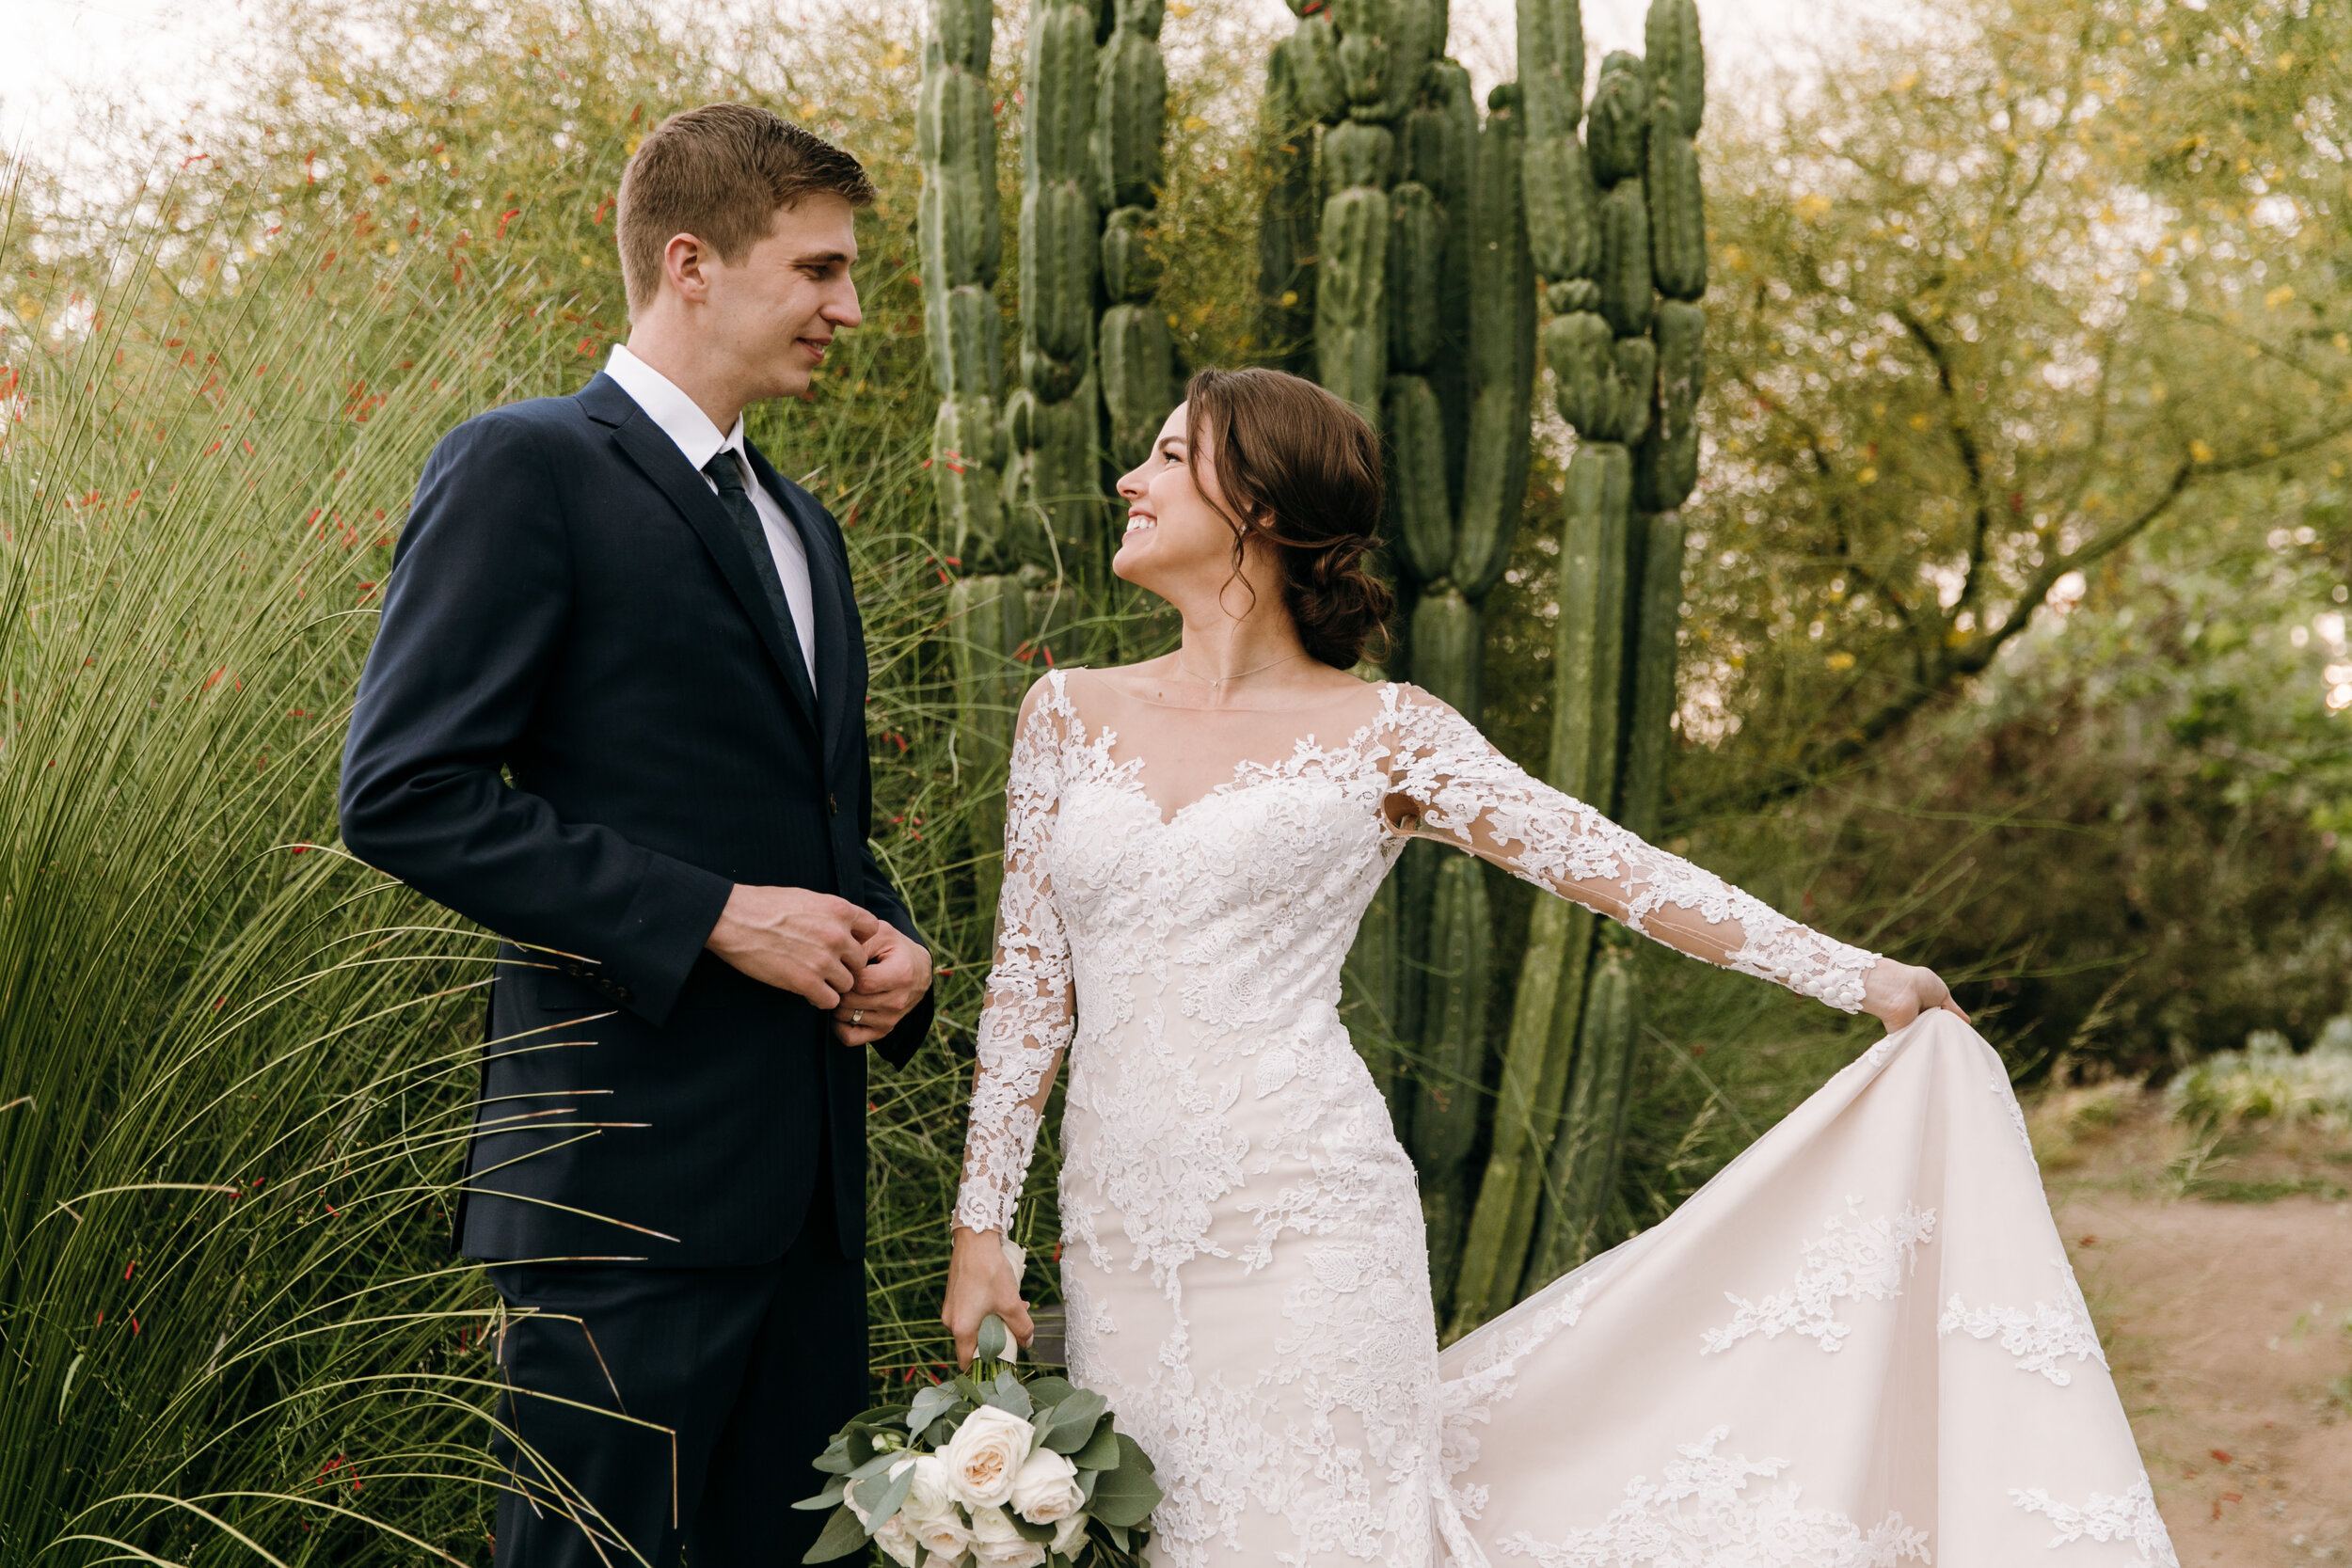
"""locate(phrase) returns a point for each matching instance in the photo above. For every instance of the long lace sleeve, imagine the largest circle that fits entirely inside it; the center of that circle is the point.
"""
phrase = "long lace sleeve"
(1029, 1012)
(1465, 793)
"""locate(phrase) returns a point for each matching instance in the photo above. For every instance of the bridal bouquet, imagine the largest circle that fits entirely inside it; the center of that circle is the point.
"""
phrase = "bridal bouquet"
(988, 1472)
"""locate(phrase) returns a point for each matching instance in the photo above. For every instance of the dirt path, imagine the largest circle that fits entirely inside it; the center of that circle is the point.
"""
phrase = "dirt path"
(2227, 1322)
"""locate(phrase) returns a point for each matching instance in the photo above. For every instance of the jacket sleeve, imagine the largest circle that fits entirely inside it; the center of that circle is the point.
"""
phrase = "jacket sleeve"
(473, 621)
(1464, 792)
(1029, 1012)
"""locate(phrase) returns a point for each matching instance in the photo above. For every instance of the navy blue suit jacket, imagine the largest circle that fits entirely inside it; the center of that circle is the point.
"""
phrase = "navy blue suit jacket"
(571, 608)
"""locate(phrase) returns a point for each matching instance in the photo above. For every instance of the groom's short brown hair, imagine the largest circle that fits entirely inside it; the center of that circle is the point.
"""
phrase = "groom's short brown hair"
(721, 173)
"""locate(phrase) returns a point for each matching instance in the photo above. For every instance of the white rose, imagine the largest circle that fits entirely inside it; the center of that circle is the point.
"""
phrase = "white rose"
(942, 1535)
(1069, 1533)
(1046, 1490)
(995, 1543)
(985, 1455)
(896, 1538)
(898, 1535)
(929, 1496)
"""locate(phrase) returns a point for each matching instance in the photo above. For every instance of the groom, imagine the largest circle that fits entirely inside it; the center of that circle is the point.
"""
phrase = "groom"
(615, 713)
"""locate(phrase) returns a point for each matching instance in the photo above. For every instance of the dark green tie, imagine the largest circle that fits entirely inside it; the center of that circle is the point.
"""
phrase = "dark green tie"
(723, 472)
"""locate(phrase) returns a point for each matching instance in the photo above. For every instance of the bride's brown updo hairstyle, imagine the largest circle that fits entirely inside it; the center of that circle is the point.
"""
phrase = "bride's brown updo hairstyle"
(1301, 470)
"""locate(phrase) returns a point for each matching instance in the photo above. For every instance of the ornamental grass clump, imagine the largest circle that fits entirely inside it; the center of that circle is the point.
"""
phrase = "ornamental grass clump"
(2268, 1082)
(236, 1066)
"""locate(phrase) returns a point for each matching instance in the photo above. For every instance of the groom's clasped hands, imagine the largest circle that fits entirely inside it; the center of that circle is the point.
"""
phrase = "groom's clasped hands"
(828, 951)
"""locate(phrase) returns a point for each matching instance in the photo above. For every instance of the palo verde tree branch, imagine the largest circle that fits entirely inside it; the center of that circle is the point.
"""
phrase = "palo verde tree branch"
(1960, 655)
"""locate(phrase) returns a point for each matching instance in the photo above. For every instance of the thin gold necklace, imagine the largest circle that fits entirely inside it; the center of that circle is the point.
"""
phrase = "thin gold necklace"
(1221, 680)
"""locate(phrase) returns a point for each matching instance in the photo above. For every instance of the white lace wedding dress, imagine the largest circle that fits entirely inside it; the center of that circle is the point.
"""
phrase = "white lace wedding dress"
(1860, 1345)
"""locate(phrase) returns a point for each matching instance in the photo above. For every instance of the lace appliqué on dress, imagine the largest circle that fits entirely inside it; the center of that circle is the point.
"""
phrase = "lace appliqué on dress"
(1474, 795)
(2131, 1517)
(1850, 1261)
(2038, 1336)
(1702, 1515)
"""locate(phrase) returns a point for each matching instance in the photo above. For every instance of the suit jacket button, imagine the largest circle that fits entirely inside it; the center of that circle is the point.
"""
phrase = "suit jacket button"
(832, 807)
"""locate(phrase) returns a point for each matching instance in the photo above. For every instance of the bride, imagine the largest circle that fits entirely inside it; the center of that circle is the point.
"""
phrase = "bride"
(1860, 1344)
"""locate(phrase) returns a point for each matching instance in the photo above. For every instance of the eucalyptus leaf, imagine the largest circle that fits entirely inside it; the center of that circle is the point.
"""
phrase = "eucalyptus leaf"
(882, 1497)
(827, 1499)
(843, 1535)
(1117, 1534)
(1074, 1421)
(1049, 1389)
(1039, 1533)
(993, 1337)
(1127, 1495)
(929, 1404)
(1100, 1451)
(876, 1464)
(1010, 1397)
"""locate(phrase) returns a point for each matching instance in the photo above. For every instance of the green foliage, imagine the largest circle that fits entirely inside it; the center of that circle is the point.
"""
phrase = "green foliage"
(237, 1063)
(2025, 304)
(2267, 1081)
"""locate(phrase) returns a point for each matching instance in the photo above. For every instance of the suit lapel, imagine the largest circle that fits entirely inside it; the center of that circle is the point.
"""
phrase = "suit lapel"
(829, 594)
(658, 458)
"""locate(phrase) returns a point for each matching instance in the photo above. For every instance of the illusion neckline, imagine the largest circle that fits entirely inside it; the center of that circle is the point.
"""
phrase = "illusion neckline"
(1248, 772)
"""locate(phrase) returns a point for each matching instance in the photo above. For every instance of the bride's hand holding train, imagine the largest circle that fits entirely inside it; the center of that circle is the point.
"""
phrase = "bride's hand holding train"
(1897, 993)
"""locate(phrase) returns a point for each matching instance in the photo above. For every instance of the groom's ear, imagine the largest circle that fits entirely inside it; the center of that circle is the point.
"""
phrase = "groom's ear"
(686, 263)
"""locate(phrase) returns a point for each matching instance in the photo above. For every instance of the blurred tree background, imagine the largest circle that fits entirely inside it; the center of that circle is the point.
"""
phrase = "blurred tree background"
(2015, 638)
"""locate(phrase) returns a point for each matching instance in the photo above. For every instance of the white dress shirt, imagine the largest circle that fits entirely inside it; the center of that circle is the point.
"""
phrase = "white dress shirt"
(683, 421)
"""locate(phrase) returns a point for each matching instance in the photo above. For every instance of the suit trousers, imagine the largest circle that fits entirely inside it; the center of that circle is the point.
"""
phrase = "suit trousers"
(676, 1410)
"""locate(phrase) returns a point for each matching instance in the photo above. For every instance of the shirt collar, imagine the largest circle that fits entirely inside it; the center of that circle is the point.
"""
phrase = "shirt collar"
(680, 417)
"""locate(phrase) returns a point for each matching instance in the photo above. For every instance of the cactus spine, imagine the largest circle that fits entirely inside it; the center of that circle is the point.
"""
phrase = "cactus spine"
(1627, 372)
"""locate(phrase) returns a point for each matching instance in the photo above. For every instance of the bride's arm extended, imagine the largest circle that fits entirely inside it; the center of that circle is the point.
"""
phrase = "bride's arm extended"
(1026, 1019)
(1451, 785)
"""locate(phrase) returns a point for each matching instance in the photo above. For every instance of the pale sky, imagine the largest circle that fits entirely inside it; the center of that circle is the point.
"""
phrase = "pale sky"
(158, 49)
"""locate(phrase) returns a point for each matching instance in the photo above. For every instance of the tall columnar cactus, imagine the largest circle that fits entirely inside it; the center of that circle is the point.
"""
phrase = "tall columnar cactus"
(1627, 372)
(958, 230)
(1054, 421)
(1422, 302)
(1136, 357)
(1283, 323)
(1456, 507)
